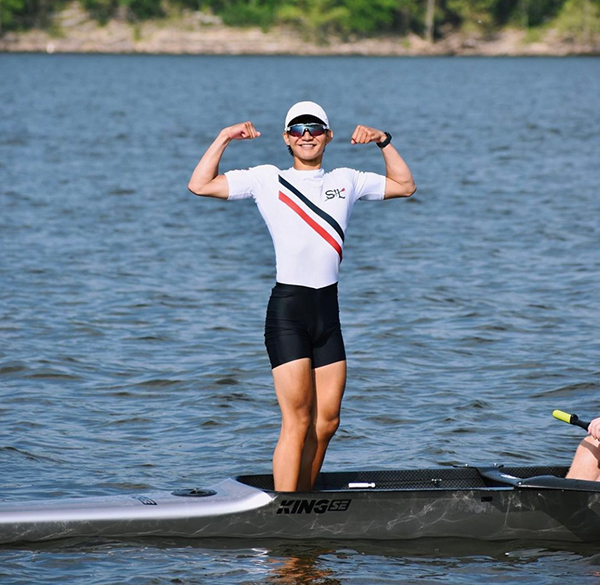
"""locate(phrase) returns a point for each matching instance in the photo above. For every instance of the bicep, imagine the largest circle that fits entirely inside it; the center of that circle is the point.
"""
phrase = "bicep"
(394, 189)
(218, 187)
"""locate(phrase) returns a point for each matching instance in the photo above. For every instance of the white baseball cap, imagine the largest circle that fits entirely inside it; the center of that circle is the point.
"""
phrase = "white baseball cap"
(306, 109)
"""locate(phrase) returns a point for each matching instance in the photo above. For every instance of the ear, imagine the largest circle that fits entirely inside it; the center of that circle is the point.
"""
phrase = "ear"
(286, 138)
(329, 136)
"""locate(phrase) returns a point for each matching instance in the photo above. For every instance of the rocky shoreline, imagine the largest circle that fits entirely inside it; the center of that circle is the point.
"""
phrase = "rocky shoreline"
(196, 33)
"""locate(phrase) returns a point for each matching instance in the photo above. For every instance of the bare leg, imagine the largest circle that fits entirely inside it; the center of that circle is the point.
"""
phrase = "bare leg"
(294, 388)
(586, 463)
(329, 383)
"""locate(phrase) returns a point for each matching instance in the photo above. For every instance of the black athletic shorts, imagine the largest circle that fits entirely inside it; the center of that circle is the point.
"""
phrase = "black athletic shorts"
(304, 322)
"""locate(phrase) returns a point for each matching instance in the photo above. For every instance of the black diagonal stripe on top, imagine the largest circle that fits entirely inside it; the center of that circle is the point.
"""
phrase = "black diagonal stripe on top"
(334, 224)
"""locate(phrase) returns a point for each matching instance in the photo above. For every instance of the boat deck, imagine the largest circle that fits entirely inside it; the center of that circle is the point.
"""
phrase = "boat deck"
(451, 478)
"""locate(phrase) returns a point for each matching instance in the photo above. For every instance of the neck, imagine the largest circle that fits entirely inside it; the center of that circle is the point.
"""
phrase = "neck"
(307, 165)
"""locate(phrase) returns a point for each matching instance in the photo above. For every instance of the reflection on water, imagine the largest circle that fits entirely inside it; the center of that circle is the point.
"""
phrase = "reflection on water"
(288, 563)
(302, 568)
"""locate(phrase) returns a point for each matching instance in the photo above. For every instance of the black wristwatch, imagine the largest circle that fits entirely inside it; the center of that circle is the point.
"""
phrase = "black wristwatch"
(384, 143)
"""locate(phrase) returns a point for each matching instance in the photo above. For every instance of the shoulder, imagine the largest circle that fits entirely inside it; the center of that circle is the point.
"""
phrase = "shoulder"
(265, 170)
(252, 182)
(259, 173)
(258, 170)
(341, 171)
(343, 174)
(264, 176)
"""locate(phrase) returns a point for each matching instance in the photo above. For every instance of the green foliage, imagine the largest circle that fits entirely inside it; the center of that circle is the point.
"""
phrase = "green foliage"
(316, 18)
(472, 14)
(15, 14)
(11, 13)
(249, 13)
(143, 9)
(101, 10)
(321, 19)
(104, 10)
(368, 16)
(525, 13)
(409, 16)
(539, 12)
(580, 19)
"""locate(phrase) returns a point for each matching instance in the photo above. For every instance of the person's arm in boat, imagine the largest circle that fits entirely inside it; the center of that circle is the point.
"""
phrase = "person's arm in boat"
(594, 428)
(206, 180)
(586, 462)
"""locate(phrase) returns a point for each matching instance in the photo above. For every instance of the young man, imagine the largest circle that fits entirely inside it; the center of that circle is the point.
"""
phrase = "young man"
(307, 212)
(586, 463)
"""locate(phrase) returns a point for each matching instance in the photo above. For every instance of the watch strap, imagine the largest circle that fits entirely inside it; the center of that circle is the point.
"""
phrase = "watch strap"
(384, 143)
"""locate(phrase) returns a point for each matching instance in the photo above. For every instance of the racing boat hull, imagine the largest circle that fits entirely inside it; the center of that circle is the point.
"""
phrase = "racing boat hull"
(493, 503)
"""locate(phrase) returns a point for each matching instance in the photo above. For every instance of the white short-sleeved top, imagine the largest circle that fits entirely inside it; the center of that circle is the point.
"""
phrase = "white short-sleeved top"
(307, 214)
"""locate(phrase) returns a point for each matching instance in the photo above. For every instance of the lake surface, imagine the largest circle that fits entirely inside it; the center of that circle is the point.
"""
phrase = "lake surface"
(131, 332)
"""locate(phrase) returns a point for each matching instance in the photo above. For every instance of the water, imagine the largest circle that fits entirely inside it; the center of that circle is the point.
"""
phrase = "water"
(131, 353)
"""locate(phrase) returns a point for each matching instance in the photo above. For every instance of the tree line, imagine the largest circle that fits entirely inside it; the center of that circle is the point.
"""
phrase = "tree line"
(320, 19)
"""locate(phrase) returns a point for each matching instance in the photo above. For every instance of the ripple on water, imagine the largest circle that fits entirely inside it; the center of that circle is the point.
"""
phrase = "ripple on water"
(131, 313)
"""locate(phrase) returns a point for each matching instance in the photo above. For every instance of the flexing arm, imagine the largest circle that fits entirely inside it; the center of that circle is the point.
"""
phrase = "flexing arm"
(399, 179)
(206, 180)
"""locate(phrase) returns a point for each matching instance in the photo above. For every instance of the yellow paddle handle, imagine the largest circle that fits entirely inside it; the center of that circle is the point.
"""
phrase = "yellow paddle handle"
(560, 415)
(572, 419)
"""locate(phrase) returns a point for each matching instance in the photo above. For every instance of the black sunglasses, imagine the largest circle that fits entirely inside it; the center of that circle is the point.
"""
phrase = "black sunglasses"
(298, 130)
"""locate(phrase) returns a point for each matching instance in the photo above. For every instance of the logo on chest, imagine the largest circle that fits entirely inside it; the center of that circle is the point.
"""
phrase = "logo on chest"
(333, 193)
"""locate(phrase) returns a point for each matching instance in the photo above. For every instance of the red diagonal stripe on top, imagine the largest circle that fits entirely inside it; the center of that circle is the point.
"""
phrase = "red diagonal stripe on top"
(312, 223)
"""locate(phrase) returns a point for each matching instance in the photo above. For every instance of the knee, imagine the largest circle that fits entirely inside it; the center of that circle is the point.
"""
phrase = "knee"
(298, 422)
(592, 445)
(327, 428)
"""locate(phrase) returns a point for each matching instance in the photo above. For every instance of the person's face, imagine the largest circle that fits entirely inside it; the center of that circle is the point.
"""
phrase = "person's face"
(308, 140)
